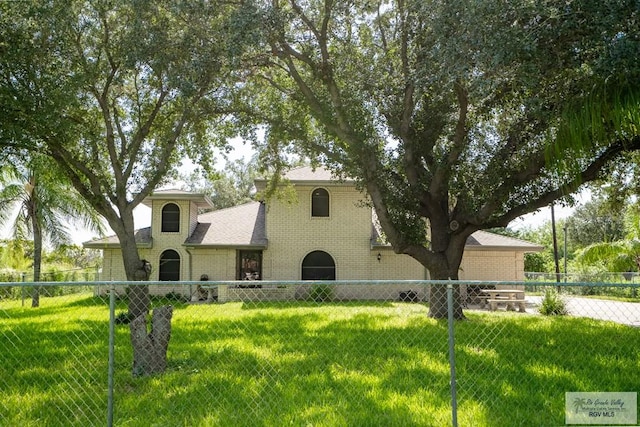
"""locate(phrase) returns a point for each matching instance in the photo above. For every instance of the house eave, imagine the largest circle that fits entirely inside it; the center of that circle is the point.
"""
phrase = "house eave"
(480, 248)
(528, 249)
(97, 245)
(192, 246)
(201, 200)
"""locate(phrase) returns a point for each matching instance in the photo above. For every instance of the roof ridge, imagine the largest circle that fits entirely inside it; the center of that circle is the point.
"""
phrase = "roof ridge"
(504, 236)
(252, 202)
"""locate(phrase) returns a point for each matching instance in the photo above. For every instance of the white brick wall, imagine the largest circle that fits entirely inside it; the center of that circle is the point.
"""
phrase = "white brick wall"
(292, 234)
(492, 265)
(345, 235)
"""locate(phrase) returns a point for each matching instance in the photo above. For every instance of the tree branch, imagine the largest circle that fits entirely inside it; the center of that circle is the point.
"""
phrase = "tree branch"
(590, 173)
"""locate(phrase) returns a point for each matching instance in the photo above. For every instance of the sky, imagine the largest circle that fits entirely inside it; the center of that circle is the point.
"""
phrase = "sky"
(536, 219)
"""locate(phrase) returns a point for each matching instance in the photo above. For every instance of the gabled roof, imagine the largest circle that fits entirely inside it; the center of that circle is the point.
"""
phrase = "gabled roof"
(239, 226)
(480, 240)
(243, 226)
(485, 240)
(310, 175)
(143, 240)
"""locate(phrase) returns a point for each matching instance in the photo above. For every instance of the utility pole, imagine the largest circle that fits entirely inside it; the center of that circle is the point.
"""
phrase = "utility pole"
(565, 250)
(555, 245)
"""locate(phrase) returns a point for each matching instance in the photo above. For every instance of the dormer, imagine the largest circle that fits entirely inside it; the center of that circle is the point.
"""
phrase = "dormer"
(174, 213)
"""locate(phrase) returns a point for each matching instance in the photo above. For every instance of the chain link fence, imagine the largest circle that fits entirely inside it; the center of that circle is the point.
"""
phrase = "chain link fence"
(62, 277)
(317, 355)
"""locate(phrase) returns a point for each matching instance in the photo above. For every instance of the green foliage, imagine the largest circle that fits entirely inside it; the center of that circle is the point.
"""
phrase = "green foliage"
(74, 256)
(16, 254)
(535, 262)
(321, 293)
(595, 222)
(229, 187)
(125, 89)
(552, 304)
(621, 256)
(453, 116)
(39, 202)
(360, 364)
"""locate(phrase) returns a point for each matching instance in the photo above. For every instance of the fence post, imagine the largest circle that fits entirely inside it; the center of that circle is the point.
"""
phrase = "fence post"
(452, 359)
(22, 287)
(112, 321)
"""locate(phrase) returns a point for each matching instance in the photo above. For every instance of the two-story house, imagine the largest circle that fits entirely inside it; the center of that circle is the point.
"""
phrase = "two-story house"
(327, 232)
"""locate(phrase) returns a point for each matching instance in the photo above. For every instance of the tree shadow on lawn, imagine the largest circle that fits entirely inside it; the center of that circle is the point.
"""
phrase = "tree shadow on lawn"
(303, 368)
(53, 373)
(528, 363)
(383, 367)
(344, 365)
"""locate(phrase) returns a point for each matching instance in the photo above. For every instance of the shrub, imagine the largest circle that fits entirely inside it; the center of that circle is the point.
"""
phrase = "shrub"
(321, 293)
(123, 318)
(176, 296)
(553, 304)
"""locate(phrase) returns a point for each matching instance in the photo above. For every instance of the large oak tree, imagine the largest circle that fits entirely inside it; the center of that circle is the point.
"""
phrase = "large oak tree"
(454, 116)
(117, 92)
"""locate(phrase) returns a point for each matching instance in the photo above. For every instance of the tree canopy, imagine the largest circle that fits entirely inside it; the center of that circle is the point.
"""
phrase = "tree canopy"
(232, 186)
(118, 92)
(453, 116)
(594, 222)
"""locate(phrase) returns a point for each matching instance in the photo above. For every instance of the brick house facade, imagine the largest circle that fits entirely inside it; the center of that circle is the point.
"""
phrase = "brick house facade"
(327, 232)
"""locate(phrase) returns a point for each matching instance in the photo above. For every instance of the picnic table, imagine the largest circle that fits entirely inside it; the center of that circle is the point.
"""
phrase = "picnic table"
(511, 297)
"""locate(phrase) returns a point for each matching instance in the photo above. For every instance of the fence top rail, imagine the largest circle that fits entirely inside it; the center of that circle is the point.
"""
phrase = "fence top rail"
(210, 283)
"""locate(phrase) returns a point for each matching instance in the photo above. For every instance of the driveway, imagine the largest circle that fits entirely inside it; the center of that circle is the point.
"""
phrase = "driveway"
(626, 313)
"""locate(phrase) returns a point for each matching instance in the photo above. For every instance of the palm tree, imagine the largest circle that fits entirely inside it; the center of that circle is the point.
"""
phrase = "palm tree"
(621, 255)
(37, 201)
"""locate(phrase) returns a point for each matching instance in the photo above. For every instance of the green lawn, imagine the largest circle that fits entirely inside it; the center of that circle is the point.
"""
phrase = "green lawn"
(304, 364)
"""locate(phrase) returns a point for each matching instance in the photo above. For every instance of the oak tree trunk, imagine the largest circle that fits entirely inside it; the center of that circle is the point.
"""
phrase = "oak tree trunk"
(150, 349)
(438, 302)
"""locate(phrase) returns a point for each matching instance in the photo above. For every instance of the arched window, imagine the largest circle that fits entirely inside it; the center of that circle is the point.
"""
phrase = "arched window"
(318, 265)
(320, 203)
(169, 265)
(170, 218)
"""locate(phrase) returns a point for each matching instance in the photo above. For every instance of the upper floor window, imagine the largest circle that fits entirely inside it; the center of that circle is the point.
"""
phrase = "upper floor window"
(170, 218)
(320, 203)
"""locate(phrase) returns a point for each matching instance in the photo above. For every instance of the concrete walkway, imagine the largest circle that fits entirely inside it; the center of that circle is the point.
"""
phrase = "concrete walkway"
(626, 313)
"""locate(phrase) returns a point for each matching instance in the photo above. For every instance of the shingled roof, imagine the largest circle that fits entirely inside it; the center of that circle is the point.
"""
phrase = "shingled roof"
(239, 226)
(143, 240)
(492, 241)
(243, 226)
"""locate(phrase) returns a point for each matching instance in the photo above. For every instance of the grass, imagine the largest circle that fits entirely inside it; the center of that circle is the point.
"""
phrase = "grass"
(307, 364)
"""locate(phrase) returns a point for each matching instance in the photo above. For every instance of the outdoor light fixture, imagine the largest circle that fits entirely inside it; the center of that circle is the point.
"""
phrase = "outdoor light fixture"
(379, 257)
